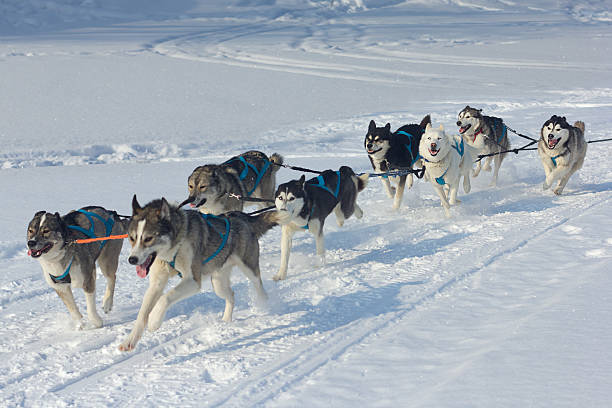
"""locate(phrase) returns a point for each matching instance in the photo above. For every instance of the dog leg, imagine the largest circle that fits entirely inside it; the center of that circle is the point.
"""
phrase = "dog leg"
(92, 313)
(388, 188)
(158, 278)
(358, 211)
(286, 235)
(316, 228)
(187, 287)
(221, 284)
(487, 165)
(453, 194)
(66, 295)
(339, 214)
(564, 179)
(497, 165)
(254, 275)
(443, 199)
(409, 181)
(399, 192)
(554, 175)
(476, 171)
(108, 266)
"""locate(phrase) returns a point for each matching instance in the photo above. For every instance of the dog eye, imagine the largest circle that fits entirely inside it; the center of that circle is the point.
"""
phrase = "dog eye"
(291, 199)
(45, 232)
(203, 187)
(191, 186)
(147, 240)
(131, 238)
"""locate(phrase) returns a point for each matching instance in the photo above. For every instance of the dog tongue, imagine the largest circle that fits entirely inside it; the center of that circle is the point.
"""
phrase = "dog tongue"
(141, 270)
(29, 252)
(192, 205)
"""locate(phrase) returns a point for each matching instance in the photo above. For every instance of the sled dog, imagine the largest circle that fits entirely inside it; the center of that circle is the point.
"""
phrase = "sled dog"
(167, 241)
(251, 174)
(562, 149)
(67, 265)
(446, 161)
(308, 203)
(486, 134)
(394, 151)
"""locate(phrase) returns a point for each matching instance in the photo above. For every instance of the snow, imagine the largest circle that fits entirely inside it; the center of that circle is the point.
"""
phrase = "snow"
(505, 304)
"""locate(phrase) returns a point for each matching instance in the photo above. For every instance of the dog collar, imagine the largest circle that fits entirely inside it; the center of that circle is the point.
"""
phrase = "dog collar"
(479, 131)
(65, 277)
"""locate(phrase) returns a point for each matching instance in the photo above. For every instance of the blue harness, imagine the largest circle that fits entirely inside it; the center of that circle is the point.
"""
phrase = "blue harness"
(504, 132)
(554, 159)
(65, 277)
(460, 148)
(90, 232)
(259, 173)
(401, 132)
(224, 238)
(321, 184)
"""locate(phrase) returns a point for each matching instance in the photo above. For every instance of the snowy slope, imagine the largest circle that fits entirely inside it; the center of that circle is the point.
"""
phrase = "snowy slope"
(505, 304)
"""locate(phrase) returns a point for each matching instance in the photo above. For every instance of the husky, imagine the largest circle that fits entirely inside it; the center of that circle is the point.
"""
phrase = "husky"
(486, 135)
(308, 203)
(446, 161)
(394, 151)
(67, 265)
(213, 187)
(167, 241)
(562, 149)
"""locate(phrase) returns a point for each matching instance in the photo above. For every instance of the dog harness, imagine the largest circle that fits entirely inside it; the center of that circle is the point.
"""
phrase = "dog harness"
(258, 173)
(554, 159)
(109, 223)
(224, 238)
(401, 132)
(320, 182)
(65, 277)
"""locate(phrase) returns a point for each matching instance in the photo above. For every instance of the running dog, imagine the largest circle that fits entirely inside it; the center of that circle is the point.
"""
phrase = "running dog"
(394, 151)
(562, 149)
(486, 134)
(446, 161)
(213, 187)
(308, 203)
(67, 265)
(167, 241)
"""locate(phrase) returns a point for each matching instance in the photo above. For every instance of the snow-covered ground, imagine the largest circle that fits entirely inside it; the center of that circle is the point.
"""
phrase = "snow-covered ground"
(506, 304)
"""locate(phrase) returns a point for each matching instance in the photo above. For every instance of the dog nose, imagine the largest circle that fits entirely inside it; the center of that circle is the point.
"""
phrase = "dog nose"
(133, 260)
(458, 123)
(369, 145)
(31, 243)
(551, 136)
(433, 145)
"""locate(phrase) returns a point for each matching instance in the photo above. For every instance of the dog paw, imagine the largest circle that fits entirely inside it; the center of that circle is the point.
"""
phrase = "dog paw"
(96, 323)
(455, 201)
(558, 190)
(279, 276)
(545, 186)
(156, 318)
(128, 344)
(107, 306)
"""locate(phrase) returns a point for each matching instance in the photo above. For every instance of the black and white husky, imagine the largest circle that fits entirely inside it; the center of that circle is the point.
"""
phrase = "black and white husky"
(485, 134)
(394, 151)
(562, 150)
(308, 203)
(167, 241)
(252, 174)
(68, 265)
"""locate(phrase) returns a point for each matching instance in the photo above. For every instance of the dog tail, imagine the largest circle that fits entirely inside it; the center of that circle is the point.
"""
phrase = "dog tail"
(277, 160)
(579, 125)
(362, 181)
(264, 222)
(426, 120)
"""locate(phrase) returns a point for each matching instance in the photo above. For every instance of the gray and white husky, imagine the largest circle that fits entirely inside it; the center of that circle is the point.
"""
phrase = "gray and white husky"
(308, 203)
(446, 161)
(167, 241)
(68, 265)
(485, 134)
(251, 174)
(562, 150)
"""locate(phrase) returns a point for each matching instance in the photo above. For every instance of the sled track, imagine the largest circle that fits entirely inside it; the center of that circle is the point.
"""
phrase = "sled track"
(272, 380)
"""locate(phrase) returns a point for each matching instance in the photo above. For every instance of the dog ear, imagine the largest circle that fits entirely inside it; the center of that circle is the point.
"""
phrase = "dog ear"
(372, 126)
(302, 180)
(39, 213)
(388, 127)
(63, 228)
(428, 127)
(441, 127)
(135, 206)
(164, 212)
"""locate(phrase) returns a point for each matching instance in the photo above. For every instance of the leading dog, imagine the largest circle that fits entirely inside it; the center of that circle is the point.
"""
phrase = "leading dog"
(213, 187)
(67, 265)
(308, 203)
(446, 161)
(167, 241)
(485, 134)
(394, 151)
(562, 150)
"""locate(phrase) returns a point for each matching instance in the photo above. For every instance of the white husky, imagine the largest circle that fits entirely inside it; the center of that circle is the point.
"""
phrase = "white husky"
(446, 160)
